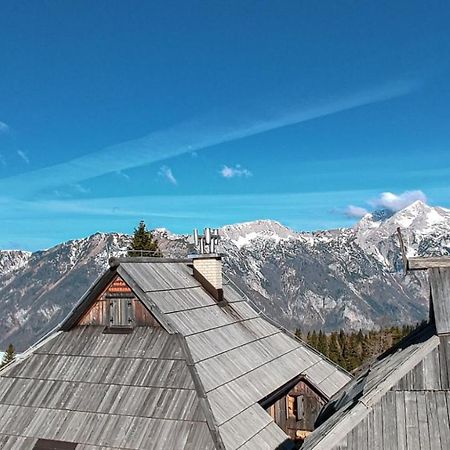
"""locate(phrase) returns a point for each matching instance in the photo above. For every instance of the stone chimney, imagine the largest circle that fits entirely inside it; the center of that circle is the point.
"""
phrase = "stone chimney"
(208, 271)
(208, 264)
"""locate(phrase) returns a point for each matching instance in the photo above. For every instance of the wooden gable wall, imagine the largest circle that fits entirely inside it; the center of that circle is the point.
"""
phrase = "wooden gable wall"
(432, 373)
(99, 312)
(297, 410)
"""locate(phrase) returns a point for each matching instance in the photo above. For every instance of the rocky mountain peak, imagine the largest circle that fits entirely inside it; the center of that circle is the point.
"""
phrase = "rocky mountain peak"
(243, 234)
(422, 217)
(417, 215)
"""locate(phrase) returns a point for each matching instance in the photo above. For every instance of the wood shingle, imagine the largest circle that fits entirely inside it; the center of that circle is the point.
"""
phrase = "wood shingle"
(189, 375)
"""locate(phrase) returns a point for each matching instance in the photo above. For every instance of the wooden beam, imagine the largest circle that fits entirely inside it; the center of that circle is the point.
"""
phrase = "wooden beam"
(423, 263)
(403, 251)
(115, 262)
(440, 295)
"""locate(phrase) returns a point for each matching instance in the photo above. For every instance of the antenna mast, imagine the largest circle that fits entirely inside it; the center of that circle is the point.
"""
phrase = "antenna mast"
(207, 243)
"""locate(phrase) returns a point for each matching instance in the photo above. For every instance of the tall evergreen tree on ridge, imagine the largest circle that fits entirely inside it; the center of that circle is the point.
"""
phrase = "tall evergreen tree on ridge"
(143, 240)
(9, 356)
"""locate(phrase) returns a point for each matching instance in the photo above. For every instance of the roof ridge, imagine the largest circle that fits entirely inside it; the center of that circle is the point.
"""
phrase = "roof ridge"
(116, 261)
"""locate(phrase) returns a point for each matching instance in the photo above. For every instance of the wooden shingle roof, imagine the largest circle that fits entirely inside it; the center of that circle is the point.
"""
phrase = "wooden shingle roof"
(364, 394)
(104, 391)
(222, 360)
(402, 401)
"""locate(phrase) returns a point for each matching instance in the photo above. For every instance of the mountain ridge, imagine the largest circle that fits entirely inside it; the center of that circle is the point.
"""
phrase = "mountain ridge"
(342, 278)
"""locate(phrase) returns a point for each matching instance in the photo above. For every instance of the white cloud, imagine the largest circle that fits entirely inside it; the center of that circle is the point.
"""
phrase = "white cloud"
(396, 202)
(166, 172)
(4, 127)
(193, 136)
(23, 156)
(236, 171)
(355, 211)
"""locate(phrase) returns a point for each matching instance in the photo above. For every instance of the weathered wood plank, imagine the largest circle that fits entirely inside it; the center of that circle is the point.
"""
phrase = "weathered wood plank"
(377, 425)
(440, 295)
(362, 434)
(389, 421)
(421, 263)
(401, 419)
(422, 420)
(444, 361)
(357, 439)
(433, 421)
(432, 372)
(443, 420)
(412, 421)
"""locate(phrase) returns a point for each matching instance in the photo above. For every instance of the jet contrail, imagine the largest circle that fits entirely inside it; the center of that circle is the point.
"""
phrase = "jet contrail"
(185, 138)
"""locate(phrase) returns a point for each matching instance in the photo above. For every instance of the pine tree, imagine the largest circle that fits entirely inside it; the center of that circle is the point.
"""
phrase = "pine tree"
(342, 339)
(9, 356)
(366, 348)
(351, 353)
(334, 352)
(322, 343)
(143, 240)
(313, 340)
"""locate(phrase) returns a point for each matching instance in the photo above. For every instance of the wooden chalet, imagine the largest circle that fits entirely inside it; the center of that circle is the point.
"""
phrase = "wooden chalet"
(402, 401)
(164, 354)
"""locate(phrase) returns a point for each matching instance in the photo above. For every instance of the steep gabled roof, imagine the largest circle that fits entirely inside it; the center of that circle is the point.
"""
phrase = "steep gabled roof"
(126, 391)
(403, 399)
(350, 406)
(233, 356)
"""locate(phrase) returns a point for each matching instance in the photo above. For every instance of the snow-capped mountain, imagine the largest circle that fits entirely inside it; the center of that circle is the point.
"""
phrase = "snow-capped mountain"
(425, 231)
(348, 278)
(243, 234)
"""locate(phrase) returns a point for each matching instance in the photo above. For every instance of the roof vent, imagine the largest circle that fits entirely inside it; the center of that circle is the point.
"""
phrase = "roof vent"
(207, 263)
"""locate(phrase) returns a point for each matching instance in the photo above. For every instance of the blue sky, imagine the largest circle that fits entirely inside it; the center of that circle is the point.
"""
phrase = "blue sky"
(187, 114)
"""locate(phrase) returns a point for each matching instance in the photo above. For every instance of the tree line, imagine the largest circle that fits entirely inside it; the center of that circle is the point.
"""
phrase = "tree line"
(352, 349)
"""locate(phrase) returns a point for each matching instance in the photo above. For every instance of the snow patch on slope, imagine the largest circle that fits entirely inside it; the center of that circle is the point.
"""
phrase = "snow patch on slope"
(244, 234)
(11, 260)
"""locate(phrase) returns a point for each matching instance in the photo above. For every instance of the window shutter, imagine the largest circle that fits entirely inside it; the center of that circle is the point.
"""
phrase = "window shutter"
(120, 312)
(300, 407)
(290, 406)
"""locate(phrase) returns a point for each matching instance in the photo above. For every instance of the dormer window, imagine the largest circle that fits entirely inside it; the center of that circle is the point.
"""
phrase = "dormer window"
(120, 312)
(120, 305)
(294, 407)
